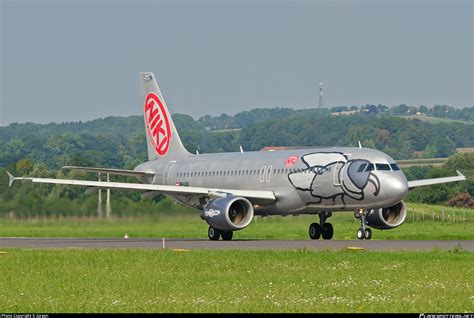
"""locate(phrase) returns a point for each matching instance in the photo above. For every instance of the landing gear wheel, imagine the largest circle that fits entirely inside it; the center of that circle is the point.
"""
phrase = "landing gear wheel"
(227, 236)
(314, 231)
(327, 231)
(213, 233)
(360, 234)
(368, 234)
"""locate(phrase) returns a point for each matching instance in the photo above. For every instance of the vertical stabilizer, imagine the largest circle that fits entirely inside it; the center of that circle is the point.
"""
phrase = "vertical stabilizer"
(162, 137)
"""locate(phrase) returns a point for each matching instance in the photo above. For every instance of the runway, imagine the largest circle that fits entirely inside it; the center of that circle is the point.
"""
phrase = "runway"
(192, 244)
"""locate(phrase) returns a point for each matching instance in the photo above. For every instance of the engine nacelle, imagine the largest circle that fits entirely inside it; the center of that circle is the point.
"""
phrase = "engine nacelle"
(387, 218)
(229, 213)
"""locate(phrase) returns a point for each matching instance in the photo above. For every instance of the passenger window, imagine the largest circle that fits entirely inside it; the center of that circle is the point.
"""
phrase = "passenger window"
(362, 167)
(382, 166)
(370, 167)
(394, 166)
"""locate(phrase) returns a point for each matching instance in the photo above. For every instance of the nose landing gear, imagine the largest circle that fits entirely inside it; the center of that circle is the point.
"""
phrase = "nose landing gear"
(363, 232)
(326, 230)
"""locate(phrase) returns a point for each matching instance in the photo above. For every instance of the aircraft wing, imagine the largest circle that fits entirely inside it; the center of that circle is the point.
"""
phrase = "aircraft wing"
(425, 182)
(254, 196)
(120, 172)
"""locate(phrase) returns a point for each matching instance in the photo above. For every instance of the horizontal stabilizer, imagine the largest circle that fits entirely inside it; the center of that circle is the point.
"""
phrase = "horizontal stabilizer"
(11, 178)
(426, 182)
(121, 172)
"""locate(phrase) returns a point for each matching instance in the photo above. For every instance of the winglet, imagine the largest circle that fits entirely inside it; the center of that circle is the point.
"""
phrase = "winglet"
(11, 178)
(360, 145)
(460, 174)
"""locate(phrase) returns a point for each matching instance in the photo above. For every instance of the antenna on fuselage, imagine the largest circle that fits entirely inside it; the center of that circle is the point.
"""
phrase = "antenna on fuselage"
(241, 150)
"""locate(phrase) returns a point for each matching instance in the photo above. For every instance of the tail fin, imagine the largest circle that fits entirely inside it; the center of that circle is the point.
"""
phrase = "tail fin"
(162, 137)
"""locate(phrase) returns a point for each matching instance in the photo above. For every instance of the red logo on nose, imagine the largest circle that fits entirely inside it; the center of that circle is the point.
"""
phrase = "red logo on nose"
(157, 124)
(291, 161)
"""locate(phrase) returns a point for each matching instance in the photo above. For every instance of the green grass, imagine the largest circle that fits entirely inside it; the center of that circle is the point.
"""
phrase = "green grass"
(235, 281)
(191, 226)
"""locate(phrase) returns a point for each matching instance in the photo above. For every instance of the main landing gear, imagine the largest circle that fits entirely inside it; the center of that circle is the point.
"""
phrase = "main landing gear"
(214, 234)
(316, 230)
(363, 232)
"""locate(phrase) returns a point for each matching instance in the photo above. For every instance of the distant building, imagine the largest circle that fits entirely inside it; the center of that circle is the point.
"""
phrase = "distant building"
(349, 112)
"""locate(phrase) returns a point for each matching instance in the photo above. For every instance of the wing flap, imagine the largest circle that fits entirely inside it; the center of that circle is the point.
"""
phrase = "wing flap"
(426, 182)
(265, 196)
(120, 172)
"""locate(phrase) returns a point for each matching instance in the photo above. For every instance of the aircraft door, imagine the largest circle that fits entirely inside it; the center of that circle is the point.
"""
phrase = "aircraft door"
(263, 173)
(167, 172)
(269, 173)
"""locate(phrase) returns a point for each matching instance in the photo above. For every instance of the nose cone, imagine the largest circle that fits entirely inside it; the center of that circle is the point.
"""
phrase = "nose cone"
(395, 186)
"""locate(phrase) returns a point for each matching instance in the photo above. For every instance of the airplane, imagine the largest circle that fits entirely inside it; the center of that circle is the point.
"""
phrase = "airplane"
(231, 188)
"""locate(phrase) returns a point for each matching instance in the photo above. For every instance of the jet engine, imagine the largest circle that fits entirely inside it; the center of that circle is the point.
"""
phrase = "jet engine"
(228, 214)
(387, 218)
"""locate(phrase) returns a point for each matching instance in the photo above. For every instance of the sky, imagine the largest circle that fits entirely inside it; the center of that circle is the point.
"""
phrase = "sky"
(64, 61)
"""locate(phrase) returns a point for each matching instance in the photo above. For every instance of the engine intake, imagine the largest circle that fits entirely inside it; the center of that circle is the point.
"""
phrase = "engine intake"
(228, 214)
(387, 218)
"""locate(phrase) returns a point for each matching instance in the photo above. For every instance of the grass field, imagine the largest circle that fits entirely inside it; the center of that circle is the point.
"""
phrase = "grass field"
(452, 224)
(235, 281)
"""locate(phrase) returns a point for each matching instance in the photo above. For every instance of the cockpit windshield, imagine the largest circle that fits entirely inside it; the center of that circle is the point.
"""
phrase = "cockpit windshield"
(378, 166)
(382, 166)
(394, 166)
(362, 167)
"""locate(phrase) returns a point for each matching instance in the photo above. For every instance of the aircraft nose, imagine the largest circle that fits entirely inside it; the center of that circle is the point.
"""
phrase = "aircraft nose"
(396, 186)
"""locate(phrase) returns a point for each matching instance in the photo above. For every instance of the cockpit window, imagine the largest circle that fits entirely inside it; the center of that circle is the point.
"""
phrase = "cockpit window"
(394, 166)
(370, 167)
(362, 167)
(382, 166)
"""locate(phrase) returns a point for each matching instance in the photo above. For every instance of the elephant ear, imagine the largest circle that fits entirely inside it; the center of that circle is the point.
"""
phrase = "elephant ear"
(356, 176)
(323, 158)
(301, 180)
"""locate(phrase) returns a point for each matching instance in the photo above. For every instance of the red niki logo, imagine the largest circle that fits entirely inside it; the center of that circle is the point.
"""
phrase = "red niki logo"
(157, 124)
(291, 161)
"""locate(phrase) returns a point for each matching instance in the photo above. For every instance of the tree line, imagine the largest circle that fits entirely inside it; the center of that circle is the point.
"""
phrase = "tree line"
(40, 150)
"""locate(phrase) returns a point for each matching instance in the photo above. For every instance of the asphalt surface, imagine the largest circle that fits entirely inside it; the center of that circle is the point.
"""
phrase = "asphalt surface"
(190, 244)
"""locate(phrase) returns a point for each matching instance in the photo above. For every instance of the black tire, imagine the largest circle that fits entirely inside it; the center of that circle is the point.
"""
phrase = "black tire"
(227, 236)
(328, 231)
(213, 233)
(360, 234)
(314, 231)
(368, 234)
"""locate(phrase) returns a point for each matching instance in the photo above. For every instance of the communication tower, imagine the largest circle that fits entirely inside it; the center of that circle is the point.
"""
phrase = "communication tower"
(321, 92)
